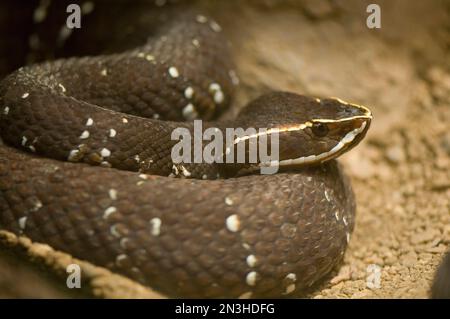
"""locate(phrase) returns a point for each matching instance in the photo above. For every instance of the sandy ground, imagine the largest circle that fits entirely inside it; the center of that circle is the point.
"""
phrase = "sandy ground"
(400, 174)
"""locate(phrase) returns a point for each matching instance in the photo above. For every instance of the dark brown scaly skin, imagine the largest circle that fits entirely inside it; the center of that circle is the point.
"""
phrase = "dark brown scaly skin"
(292, 228)
(286, 223)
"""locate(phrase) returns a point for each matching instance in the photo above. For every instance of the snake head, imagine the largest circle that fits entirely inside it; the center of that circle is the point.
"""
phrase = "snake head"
(310, 130)
(329, 128)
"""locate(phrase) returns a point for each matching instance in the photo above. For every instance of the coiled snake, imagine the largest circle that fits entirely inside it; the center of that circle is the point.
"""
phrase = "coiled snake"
(188, 230)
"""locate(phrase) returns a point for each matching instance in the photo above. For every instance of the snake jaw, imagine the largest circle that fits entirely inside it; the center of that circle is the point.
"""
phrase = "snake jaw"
(359, 126)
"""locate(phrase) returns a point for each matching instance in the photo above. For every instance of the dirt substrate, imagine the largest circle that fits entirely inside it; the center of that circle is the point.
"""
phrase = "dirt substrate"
(400, 174)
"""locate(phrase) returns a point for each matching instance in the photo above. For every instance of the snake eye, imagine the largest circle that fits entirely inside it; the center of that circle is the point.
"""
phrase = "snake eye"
(319, 129)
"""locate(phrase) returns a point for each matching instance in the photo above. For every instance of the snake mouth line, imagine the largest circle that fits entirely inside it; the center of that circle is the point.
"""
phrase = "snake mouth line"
(336, 150)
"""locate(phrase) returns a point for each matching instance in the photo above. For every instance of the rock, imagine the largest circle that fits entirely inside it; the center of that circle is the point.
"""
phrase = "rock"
(359, 165)
(344, 274)
(438, 249)
(443, 162)
(425, 236)
(374, 260)
(409, 260)
(395, 154)
(361, 294)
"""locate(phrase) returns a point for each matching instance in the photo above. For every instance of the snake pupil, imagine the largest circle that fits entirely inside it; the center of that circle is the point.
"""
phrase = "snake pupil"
(320, 129)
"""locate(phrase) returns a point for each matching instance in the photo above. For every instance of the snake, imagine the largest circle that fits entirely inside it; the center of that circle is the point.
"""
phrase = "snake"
(86, 167)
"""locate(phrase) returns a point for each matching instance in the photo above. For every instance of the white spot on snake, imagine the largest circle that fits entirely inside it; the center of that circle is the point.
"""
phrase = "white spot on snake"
(143, 176)
(228, 201)
(140, 183)
(214, 87)
(141, 54)
(73, 155)
(6, 110)
(105, 152)
(114, 232)
(336, 215)
(112, 194)
(124, 120)
(185, 171)
(173, 71)
(156, 226)
(327, 196)
(348, 237)
(112, 132)
(201, 19)
(189, 92)
(137, 158)
(109, 211)
(344, 219)
(246, 295)
(32, 148)
(63, 89)
(205, 176)
(104, 72)
(218, 97)
(233, 223)
(24, 140)
(25, 95)
(189, 112)
(120, 258)
(233, 76)
(123, 242)
(22, 222)
(216, 90)
(246, 246)
(84, 135)
(150, 57)
(251, 260)
(105, 164)
(156, 116)
(251, 278)
(89, 122)
(290, 289)
(196, 43)
(37, 205)
(291, 276)
(215, 26)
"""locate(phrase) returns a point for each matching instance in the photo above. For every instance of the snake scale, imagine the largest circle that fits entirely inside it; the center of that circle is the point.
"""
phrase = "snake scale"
(85, 166)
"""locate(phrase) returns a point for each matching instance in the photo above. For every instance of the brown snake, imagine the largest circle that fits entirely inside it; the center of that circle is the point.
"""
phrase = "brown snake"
(217, 230)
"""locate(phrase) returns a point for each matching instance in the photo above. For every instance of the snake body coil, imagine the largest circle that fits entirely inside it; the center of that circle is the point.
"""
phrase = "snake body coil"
(249, 236)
